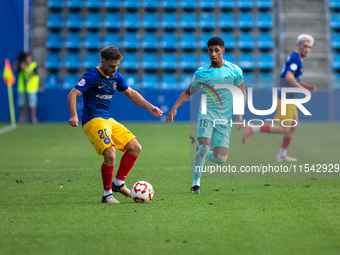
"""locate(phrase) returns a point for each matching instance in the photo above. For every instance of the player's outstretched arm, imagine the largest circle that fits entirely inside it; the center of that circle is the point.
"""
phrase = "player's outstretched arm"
(135, 97)
(183, 97)
(72, 106)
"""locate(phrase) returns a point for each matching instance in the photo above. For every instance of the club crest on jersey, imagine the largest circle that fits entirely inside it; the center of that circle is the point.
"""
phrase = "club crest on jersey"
(114, 85)
(81, 82)
(107, 140)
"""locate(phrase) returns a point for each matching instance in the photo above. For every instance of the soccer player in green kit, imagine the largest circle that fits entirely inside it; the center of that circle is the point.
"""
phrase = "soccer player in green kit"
(208, 134)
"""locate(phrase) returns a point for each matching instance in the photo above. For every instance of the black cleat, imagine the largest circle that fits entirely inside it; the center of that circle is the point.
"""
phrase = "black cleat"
(121, 189)
(195, 189)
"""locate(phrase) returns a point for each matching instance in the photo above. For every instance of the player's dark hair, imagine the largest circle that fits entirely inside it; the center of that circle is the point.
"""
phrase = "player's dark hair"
(216, 41)
(111, 53)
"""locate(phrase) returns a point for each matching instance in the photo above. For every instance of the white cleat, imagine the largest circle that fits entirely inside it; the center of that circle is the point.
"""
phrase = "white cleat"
(110, 199)
(286, 158)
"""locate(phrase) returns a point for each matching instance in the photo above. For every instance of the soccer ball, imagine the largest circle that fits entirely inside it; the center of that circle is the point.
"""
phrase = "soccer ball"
(141, 192)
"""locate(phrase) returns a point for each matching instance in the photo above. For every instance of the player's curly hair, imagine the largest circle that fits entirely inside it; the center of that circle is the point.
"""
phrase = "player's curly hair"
(111, 53)
(216, 41)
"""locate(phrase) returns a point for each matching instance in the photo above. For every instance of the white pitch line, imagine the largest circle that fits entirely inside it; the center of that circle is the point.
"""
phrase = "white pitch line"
(8, 128)
(89, 169)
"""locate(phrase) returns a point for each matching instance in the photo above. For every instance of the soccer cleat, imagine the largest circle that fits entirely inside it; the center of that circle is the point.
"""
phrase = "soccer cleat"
(286, 158)
(195, 189)
(121, 189)
(247, 132)
(110, 199)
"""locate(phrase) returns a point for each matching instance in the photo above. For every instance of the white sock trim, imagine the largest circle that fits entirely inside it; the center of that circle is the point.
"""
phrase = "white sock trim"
(118, 182)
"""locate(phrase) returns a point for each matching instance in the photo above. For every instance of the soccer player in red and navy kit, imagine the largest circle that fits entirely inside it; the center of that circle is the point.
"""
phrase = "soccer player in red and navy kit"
(290, 77)
(98, 87)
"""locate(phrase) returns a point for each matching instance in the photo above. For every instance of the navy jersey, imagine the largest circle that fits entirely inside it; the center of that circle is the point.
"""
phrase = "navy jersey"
(293, 64)
(98, 90)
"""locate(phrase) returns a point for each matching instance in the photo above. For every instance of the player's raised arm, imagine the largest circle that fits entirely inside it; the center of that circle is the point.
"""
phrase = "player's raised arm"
(181, 100)
(135, 97)
(72, 106)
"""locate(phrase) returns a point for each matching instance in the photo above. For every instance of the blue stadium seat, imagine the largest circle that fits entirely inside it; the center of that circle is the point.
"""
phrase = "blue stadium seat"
(93, 21)
(130, 61)
(246, 41)
(266, 81)
(265, 41)
(169, 5)
(73, 41)
(334, 4)
(131, 21)
(246, 21)
(204, 59)
(112, 39)
(70, 81)
(188, 21)
(265, 21)
(229, 41)
(72, 61)
(336, 61)
(226, 4)
(53, 61)
(169, 82)
(246, 61)
(204, 40)
(249, 80)
(264, 4)
(150, 4)
(132, 80)
(169, 62)
(92, 41)
(55, 4)
(150, 62)
(336, 84)
(188, 61)
(130, 41)
(188, 4)
(131, 4)
(91, 60)
(112, 21)
(150, 41)
(93, 4)
(227, 21)
(336, 41)
(169, 41)
(185, 80)
(207, 4)
(112, 4)
(150, 21)
(54, 41)
(169, 21)
(74, 4)
(229, 57)
(52, 81)
(150, 81)
(335, 21)
(266, 62)
(55, 21)
(207, 21)
(245, 4)
(188, 41)
(74, 21)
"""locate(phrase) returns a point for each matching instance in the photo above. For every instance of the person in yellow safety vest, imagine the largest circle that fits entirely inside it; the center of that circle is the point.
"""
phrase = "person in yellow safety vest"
(28, 85)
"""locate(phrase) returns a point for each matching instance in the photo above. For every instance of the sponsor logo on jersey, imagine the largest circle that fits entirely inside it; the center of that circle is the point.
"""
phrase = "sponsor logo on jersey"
(82, 82)
(293, 66)
(107, 97)
(107, 140)
(99, 87)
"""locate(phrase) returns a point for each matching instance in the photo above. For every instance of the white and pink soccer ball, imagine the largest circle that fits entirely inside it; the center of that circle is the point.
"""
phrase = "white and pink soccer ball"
(141, 192)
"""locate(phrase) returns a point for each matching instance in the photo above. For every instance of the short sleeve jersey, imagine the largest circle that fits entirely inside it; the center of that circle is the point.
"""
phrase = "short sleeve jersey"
(207, 76)
(98, 90)
(293, 64)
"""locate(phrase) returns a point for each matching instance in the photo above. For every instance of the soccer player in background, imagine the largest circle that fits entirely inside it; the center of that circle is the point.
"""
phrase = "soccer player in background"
(216, 137)
(290, 77)
(98, 87)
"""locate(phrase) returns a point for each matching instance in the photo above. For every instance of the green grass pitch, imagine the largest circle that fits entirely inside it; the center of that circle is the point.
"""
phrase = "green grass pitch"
(51, 191)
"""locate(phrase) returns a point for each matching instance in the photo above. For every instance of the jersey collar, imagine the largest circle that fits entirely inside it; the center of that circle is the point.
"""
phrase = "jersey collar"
(100, 70)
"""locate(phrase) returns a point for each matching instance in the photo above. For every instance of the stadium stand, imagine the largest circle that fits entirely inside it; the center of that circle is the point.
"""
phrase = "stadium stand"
(53, 61)
(91, 60)
(112, 4)
(130, 62)
(169, 41)
(112, 21)
(74, 4)
(188, 21)
(72, 61)
(169, 82)
(55, 4)
(150, 62)
(54, 41)
(73, 41)
(131, 21)
(150, 81)
(93, 4)
(111, 38)
(150, 21)
(93, 21)
(70, 81)
(53, 81)
(227, 21)
(74, 21)
(92, 41)
(55, 21)
(150, 41)
(132, 80)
